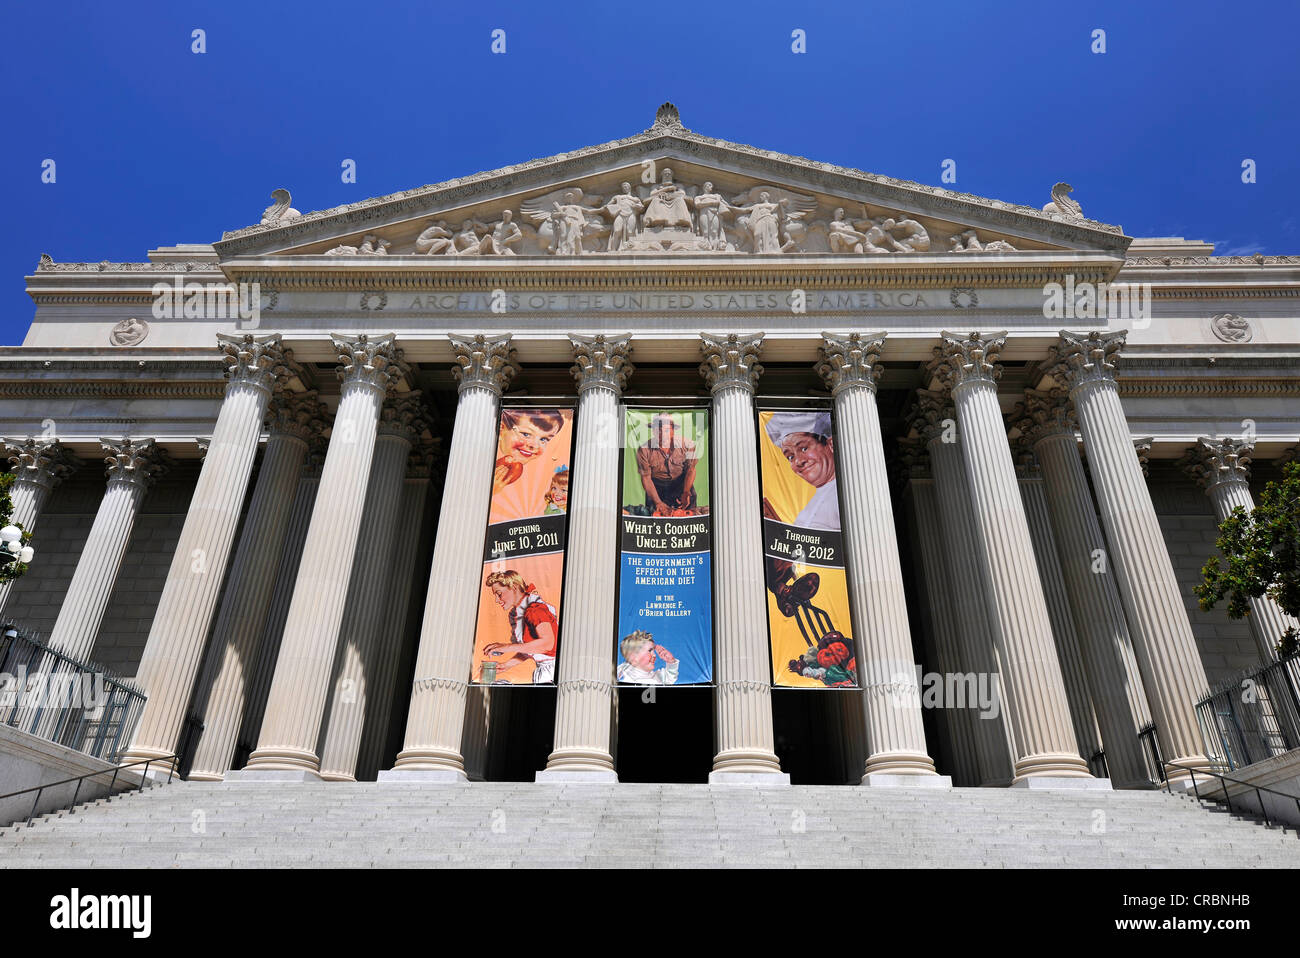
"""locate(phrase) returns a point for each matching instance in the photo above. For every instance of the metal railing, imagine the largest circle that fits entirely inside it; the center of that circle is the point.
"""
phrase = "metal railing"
(76, 704)
(1253, 718)
(39, 789)
(1223, 786)
(1150, 746)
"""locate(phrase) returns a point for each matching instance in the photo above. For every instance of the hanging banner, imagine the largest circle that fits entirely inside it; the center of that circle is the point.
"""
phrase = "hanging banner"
(517, 634)
(807, 592)
(665, 592)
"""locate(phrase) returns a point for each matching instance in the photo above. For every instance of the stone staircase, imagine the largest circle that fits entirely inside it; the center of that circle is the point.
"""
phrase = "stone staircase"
(191, 824)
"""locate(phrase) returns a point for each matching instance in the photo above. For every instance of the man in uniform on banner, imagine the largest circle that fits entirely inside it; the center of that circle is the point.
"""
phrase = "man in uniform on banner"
(534, 626)
(805, 439)
(666, 464)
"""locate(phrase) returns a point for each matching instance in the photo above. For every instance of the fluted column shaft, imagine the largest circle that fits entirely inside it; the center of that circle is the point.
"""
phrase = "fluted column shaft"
(237, 633)
(436, 717)
(131, 464)
(892, 700)
(585, 687)
(368, 595)
(393, 632)
(174, 649)
(286, 574)
(1113, 676)
(1082, 715)
(296, 705)
(938, 595)
(965, 587)
(1033, 688)
(743, 699)
(1162, 634)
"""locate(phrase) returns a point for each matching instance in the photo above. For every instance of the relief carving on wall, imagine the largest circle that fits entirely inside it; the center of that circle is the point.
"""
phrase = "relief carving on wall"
(129, 332)
(1231, 328)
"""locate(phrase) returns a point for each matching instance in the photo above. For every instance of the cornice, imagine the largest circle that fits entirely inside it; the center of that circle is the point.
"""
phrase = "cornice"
(737, 270)
(63, 389)
(679, 142)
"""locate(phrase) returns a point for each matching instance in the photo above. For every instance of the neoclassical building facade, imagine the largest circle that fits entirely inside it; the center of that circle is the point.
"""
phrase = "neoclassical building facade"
(1037, 421)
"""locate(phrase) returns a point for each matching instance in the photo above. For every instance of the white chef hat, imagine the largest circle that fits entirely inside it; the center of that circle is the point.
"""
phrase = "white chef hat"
(782, 424)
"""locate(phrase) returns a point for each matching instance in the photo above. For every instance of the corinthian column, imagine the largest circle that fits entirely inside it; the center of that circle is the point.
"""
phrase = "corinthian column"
(1082, 715)
(393, 630)
(436, 719)
(296, 420)
(936, 426)
(401, 423)
(1166, 650)
(896, 750)
(936, 576)
(1104, 642)
(1222, 467)
(1034, 691)
(255, 367)
(38, 466)
(132, 465)
(746, 751)
(296, 706)
(585, 688)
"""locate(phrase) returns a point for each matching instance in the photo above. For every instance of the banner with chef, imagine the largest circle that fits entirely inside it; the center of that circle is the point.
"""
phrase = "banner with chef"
(807, 592)
(665, 590)
(518, 630)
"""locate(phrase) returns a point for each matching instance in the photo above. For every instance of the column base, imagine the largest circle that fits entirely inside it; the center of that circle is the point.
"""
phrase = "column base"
(590, 776)
(204, 777)
(887, 780)
(337, 777)
(751, 779)
(427, 776)
(1051, 783)
(264, 776)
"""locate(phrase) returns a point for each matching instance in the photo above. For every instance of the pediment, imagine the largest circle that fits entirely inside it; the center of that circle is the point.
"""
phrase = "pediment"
(668, 191)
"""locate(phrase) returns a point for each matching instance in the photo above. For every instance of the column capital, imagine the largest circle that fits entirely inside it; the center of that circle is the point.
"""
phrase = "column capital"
(602, 361)
(850, 360)
(1044, 413)
(301, 415)
(959, 361)
(137, 462)
(484, 362)
(424, 453)
(1214, 461)
(373, 362)
(403, 416)
(731, 359)
(40, 461)
(912, 460)
(1142, 446)
(257, 361)
(1078, 359)
(932, 416)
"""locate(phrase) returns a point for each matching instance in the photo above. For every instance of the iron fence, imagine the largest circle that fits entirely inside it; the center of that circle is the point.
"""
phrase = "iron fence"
(76, 704)
(1253, 718)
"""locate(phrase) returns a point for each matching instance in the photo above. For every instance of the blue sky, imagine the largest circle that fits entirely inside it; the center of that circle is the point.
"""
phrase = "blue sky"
(156, 145)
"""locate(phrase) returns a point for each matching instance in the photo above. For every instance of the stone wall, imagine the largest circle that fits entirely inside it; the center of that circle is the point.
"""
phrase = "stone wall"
(59, 538)
(1187, 519)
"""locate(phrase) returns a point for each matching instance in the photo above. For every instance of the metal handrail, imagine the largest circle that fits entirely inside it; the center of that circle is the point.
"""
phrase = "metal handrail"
(1236, 781)
(146, 762)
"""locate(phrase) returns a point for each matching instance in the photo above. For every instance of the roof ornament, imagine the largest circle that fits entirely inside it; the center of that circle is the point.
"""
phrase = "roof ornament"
(1062, 204)
(279, 211)
(667, 118)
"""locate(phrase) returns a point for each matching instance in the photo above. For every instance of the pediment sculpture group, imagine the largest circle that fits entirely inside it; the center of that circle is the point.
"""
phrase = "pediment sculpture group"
(669, 217)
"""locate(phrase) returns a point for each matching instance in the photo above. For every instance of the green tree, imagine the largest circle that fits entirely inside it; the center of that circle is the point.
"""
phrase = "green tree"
(11, 569)
(1262, 549)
